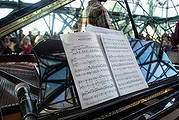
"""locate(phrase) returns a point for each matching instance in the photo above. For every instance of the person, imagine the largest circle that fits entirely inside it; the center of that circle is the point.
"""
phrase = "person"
(20, 35)
(164, 35)
(12, 47)
(38, 39)
(46, 35)
(166, 46)
(176, 48)
(147, 37)
(32, 37)
(175, 35)
(158, 39)
(38, 33)
(55, 36)
(26, 45)
(95, 14)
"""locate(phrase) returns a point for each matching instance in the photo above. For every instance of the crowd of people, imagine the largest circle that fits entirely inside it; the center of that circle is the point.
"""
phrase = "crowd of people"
(95, 14)
(21, 44)
(166, 40)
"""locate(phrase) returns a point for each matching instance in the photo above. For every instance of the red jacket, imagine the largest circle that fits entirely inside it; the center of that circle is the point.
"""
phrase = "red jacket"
(26, 50)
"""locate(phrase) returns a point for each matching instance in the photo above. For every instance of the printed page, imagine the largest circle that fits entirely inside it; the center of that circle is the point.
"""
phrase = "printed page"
(90, 71)
(123, 63)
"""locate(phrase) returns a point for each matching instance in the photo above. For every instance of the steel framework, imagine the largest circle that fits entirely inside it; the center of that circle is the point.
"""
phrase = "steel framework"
(152, 17)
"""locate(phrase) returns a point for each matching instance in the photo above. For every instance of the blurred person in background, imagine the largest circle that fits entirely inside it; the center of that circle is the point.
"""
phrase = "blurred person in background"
(12, 47)
(26, 45)
(38, 39)
(95, 14)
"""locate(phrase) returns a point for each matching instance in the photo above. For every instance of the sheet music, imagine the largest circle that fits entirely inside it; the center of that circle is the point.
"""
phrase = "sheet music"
(124, 66)
(89, 68)
(98, 30)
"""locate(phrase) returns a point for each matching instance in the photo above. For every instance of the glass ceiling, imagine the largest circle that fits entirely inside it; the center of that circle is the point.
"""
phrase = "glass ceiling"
(159, 8)
(149, 14)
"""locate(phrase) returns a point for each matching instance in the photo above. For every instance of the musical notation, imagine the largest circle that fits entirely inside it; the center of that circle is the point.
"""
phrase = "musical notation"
(121, 59)
(89, 69)
(103, 66)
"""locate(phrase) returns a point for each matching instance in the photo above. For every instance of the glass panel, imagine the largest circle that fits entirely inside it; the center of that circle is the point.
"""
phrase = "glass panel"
(147, 55)
(4, 12)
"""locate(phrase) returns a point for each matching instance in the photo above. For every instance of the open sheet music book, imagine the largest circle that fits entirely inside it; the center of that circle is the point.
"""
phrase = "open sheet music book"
(103, 66)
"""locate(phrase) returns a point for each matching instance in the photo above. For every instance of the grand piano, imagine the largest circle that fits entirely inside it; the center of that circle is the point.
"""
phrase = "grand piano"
(52, 89)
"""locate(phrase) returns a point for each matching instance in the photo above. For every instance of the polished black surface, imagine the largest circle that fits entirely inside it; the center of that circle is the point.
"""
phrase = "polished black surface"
(59, 99)
(154, 63)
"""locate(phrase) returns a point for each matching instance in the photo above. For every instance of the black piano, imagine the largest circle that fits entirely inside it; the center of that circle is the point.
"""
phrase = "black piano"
(54, 94)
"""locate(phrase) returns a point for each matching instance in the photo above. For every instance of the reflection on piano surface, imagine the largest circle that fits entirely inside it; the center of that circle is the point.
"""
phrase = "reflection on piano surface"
(58, 97)
(15, 69)
(24, 71)
(7, 92)
(160, 74)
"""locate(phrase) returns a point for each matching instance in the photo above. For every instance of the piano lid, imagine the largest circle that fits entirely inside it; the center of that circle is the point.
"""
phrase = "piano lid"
(29, 14)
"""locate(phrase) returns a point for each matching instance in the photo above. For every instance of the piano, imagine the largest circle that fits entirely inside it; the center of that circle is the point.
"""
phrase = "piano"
(15, 69)
(52, 86)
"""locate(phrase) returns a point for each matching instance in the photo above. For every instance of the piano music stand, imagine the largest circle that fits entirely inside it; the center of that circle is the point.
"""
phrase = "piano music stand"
(52, 61)
(57, 91)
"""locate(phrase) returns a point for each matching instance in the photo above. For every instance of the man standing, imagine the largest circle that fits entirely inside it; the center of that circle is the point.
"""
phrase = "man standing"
(95, 14)
(20, 35)
(32, 37)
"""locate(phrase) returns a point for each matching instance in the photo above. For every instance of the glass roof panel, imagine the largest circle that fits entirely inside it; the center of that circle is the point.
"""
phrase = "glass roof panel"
(149, 15)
